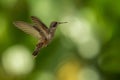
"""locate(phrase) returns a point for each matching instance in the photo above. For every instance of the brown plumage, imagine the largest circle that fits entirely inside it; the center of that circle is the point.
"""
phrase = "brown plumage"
(38, 30)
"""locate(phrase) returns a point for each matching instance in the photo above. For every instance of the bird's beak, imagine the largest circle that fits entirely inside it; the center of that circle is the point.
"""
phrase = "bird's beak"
(62, 22)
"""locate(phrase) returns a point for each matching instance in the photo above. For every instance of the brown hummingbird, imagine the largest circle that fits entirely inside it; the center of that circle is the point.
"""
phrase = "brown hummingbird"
(38, 30)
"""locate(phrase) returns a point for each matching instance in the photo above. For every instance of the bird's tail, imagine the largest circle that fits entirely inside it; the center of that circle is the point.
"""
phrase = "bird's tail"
(37, 49)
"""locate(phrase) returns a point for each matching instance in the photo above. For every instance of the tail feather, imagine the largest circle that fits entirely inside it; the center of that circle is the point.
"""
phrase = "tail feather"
(36, 51)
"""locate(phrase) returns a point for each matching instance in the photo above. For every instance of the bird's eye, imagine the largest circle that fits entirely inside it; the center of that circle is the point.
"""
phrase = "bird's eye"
(54, 24)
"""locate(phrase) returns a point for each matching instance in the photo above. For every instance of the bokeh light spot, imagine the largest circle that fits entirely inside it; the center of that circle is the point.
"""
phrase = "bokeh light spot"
(69, 70)
(80, 32)
(88, 74)
(44, 76)
(17, 60)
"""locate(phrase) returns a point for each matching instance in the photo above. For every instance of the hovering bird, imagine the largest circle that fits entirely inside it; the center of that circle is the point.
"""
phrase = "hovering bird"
(38, 30)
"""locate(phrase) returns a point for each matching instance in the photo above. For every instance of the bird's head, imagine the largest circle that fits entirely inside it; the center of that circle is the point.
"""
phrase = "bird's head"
(54, 24)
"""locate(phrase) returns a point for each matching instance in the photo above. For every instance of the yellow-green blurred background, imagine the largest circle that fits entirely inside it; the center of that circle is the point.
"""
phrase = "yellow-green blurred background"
(86, 48)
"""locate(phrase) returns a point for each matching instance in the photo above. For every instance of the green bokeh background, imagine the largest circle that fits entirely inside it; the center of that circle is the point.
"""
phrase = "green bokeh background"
(103, 15)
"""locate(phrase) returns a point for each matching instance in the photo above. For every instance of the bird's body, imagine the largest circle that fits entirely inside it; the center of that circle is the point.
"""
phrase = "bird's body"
(38, 30)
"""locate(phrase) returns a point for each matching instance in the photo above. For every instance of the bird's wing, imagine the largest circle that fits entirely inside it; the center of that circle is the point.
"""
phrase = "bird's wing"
(27, 28)
(40, 25)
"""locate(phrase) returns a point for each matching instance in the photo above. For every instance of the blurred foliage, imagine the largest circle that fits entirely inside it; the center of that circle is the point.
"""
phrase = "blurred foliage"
(89, 44)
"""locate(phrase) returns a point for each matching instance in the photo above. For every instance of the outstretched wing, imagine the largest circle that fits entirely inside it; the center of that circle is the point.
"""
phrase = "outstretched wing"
(27, 28)
(40, 25)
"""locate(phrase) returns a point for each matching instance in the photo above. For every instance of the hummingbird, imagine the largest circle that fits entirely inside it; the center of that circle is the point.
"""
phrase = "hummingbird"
(39, 30)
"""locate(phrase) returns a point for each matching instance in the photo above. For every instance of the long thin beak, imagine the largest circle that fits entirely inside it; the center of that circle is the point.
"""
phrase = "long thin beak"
(62, 22)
